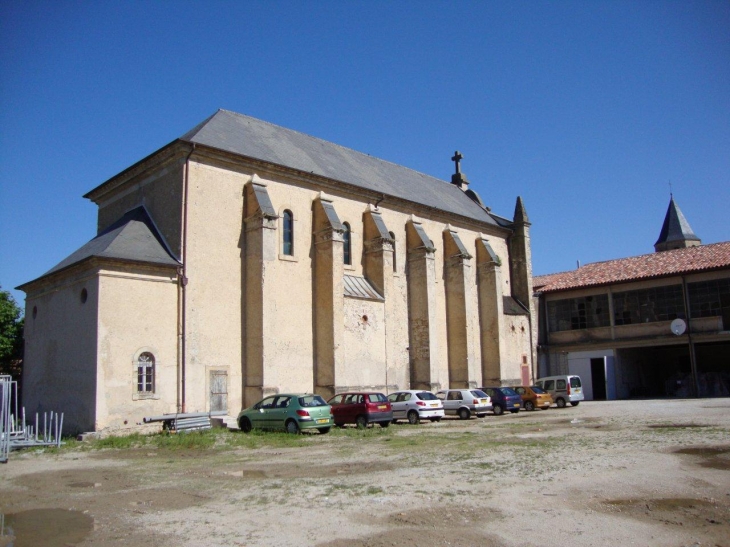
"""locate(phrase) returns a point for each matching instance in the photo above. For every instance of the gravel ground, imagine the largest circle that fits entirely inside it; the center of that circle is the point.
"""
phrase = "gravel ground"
(630, 472)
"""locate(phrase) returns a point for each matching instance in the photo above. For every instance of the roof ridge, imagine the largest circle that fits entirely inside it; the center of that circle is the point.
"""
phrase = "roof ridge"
(238, 114)
(190, 134)
(674, 262)
(635, 257)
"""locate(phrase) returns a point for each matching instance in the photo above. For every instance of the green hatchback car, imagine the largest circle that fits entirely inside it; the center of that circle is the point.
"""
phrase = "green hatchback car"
(290, 412)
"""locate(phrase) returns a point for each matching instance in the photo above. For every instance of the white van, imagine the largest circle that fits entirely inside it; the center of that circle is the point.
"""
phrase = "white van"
(564, 389)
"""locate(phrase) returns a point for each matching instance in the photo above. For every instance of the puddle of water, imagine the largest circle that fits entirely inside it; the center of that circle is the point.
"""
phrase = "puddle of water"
(82, 484)
(675, 426)
(47, 527)
(706, 451)
(663, 504)
(715, 457)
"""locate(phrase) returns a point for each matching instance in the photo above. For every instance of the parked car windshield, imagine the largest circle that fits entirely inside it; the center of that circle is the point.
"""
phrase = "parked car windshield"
(311, 400)
(537, 389)
(479, 393)
(426, 396)
(575, 381)
(377, 398)
(508, 391)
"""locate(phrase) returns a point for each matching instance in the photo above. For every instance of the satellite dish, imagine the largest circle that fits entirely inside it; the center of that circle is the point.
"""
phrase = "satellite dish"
(678, 326)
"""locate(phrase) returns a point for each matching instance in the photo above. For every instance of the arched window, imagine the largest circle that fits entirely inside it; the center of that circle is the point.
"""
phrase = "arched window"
(288, 233)
(146, 373)
(395, 264)
(347, 238)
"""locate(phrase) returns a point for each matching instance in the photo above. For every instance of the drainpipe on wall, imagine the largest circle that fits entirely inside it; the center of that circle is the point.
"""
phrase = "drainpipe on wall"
(692, 356)
(184, 283)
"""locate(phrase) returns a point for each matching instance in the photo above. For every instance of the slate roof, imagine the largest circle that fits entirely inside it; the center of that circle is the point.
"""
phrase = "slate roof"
(359, 287)
(133, 237)
(663, 264)
(510, 306)
(247, 136)
(675, 227)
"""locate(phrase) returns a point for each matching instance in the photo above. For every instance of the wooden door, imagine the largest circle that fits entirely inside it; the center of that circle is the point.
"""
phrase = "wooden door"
(218, 390)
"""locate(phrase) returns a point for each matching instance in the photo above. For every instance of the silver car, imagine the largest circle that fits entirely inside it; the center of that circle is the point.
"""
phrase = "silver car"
(415, 405)
(465, 402)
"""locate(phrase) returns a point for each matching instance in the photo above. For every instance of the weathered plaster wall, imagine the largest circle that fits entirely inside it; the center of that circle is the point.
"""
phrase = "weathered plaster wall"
(160, 191)
(137, 313)
(291, 318)
(518, 349)
(59, 371)
(215, 279)
(364, 343)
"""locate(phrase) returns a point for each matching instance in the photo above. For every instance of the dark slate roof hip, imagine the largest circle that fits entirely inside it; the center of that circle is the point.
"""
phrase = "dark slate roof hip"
(133, 237)
(663, 264)
(246, 136)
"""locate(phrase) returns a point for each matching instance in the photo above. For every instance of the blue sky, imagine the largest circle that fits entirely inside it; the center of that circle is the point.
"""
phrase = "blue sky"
(588, 110)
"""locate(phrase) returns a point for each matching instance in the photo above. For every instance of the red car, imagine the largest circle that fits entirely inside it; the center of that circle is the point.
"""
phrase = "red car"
(361, 408)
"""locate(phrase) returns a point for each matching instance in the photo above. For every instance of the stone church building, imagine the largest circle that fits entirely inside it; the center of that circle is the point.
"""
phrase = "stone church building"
(245, 259)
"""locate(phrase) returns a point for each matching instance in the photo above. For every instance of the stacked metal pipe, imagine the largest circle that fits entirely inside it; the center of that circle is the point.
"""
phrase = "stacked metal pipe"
(190, 421)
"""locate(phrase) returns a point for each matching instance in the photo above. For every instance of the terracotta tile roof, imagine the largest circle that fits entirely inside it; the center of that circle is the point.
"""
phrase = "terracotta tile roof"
(679, 261)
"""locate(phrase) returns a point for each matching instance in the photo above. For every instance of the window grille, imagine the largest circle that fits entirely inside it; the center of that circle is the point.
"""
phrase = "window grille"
(347, 247)
(146, 373)
(288, 233)
(708, 298)
(586, 312)
(395, 263)
(648, 305)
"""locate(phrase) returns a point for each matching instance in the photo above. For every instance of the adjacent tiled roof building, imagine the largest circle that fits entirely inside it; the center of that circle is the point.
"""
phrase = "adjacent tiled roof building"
(700, 258)
(654, 325)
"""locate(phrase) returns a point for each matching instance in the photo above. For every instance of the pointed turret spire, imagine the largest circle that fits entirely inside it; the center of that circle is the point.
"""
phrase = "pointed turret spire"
(520, 216)
(676, 232)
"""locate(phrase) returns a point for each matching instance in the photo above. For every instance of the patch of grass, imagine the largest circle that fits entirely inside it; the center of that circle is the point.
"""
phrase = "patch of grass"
(119, 442)
(192, 440)
(373, 490)
(269, 439)
(368, 433)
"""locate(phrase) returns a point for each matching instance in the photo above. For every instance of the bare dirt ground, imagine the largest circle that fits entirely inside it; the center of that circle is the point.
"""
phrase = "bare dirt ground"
(648, 473)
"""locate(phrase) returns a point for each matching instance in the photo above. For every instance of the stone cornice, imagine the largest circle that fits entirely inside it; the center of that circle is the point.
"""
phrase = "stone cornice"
(167, 155)
(56, 279)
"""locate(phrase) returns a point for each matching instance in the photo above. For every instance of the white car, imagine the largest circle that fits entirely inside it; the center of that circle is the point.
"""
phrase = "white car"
(465, 402)
(416, 405)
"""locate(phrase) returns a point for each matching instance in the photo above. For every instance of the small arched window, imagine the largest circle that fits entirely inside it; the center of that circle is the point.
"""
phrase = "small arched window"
(347, 247)
(288, 233)
(395, 264)
(146, 373)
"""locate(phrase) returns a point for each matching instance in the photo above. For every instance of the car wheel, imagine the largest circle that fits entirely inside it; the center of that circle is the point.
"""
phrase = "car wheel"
(324, 430)
(361, 421)
(245, 425)
(498, 410)
(574, 403)
(291, 427)
(464, 413)
(560, 403)
(384, 424)
(529, 405)
(413, 417)
(436, 419)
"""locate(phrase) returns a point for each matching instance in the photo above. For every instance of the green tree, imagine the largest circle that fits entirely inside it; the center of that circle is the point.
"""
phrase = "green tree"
(11, 336)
